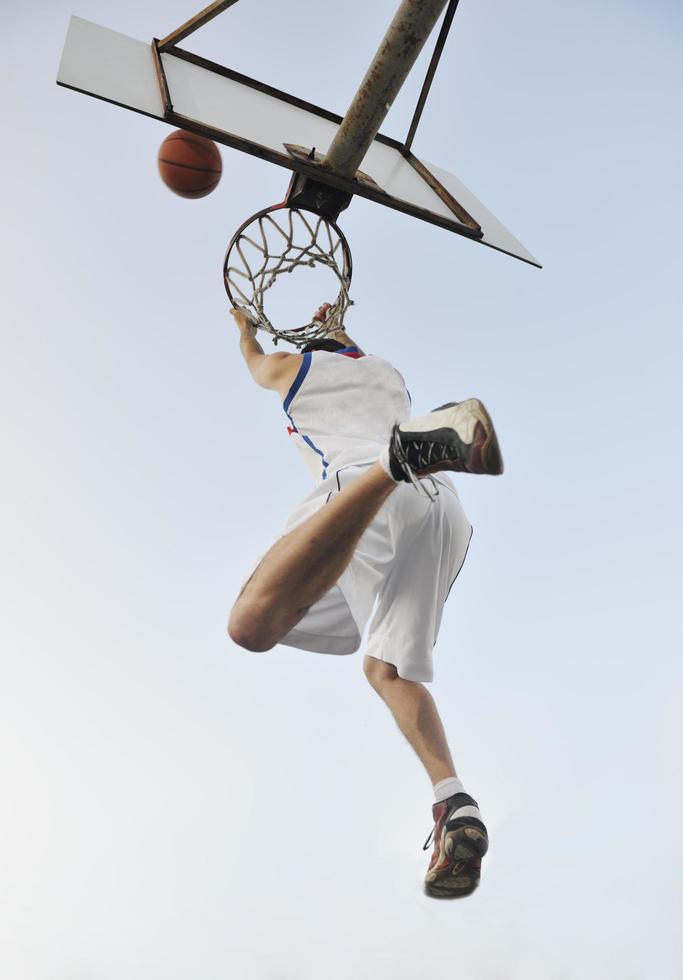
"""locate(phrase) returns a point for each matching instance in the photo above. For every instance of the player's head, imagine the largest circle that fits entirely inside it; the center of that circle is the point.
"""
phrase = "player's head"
(323, 343)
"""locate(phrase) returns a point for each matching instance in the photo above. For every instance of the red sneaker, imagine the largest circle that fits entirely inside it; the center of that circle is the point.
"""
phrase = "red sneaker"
(460, 843)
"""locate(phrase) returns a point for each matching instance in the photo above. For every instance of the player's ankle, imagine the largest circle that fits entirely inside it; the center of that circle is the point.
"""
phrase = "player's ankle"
(389, 466)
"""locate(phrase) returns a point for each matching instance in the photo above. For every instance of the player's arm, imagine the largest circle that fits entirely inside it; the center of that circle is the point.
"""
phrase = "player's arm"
(267, 370)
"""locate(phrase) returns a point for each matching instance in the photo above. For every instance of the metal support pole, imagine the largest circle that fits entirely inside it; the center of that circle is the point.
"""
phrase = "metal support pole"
(431, 71)
(389, 69)
(190, 26)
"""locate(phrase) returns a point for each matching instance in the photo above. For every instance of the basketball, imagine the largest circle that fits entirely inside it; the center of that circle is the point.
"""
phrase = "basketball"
(190, 165)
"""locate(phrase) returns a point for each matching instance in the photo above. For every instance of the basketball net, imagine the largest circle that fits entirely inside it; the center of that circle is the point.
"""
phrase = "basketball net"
(280, 240)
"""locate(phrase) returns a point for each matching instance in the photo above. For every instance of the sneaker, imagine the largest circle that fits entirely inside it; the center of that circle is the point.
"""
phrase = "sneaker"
(457, 436)
(460, 842)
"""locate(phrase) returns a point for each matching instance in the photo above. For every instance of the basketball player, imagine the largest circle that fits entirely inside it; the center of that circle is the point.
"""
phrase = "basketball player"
(364, 534)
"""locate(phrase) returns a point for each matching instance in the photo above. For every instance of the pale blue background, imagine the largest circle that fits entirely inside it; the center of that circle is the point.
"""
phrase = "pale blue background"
(174, 807)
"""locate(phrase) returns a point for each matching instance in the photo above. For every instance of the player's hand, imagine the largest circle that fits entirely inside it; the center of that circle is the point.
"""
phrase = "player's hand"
(321, 313)
(243, 320)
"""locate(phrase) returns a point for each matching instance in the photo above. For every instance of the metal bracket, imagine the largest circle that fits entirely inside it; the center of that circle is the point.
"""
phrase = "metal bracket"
(319, 196)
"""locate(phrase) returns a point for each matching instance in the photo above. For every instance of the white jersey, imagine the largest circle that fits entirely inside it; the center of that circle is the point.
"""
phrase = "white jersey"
(342, 407)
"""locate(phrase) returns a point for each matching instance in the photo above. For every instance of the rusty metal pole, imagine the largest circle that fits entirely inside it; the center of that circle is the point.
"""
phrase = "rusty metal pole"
(408, 31)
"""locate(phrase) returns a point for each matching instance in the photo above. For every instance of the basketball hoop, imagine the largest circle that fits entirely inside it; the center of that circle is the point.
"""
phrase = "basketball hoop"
(281, 239)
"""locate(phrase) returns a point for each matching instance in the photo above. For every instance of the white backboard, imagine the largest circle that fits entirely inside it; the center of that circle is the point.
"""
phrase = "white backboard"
(257, 119)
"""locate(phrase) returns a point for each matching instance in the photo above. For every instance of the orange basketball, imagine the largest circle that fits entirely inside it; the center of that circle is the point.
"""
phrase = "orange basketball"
(190, 165)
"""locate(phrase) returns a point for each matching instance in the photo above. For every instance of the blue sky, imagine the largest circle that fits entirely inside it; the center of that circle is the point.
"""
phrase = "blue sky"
(175, 806)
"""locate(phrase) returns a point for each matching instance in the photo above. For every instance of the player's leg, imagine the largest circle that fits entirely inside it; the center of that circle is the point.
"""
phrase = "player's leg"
(416, 715)
(400, 644)
(304, 564)
(460, 836)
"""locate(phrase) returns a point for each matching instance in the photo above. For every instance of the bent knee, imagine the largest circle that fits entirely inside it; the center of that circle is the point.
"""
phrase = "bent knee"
(378, 672)
(249, 630)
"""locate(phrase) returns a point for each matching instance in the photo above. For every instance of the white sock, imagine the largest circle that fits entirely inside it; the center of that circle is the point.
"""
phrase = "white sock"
(385, 464)
(446, 788)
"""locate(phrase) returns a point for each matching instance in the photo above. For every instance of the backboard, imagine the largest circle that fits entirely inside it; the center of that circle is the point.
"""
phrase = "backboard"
(189, 92)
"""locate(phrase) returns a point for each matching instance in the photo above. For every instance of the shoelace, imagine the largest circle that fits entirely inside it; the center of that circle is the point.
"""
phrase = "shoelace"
(402, 460)
(431, 834)
(431, 455)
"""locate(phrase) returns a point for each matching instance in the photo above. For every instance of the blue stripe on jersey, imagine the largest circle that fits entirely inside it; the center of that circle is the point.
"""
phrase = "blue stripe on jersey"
(298, 381)
(309, 442)
(318, 451)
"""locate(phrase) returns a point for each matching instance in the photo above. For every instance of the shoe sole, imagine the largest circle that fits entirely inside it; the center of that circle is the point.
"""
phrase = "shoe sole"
(465, 847)
(473, 425)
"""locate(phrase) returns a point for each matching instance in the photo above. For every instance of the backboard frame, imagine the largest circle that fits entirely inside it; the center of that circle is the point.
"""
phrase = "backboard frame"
(462, 223)
(96, 61)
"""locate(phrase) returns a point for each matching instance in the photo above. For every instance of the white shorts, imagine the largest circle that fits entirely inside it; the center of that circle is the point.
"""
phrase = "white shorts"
(406, 560)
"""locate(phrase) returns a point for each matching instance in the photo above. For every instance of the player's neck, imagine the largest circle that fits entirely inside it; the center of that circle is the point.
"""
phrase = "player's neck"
(343, 338)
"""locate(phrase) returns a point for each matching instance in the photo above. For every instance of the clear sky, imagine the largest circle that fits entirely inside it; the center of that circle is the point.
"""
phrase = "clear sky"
(175, 807)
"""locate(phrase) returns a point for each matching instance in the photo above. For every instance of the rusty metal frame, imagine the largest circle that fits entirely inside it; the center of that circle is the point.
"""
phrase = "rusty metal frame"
(463, 216)
(431, 71)
(314, 169)
(194, 23)
(219, 6)
(161, 78)
(462, 223)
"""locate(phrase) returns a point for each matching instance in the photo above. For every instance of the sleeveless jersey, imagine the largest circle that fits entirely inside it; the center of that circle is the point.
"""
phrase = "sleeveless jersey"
(342, 407)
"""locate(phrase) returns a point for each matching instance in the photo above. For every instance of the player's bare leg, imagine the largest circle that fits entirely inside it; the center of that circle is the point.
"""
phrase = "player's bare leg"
(416, 715)
(304, 564)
